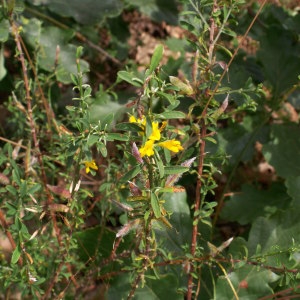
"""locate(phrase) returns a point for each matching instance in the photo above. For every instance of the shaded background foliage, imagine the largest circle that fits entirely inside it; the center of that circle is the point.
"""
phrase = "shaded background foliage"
(258, 190)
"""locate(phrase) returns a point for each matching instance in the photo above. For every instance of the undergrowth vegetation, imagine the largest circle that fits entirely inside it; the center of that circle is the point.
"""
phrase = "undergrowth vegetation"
(149, 151)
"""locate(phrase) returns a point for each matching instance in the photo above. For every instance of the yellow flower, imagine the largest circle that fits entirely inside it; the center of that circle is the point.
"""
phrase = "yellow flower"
(171, 145)
(147, 149)
(90, 165)
(132, 119)
(141, 122)
(155, 135)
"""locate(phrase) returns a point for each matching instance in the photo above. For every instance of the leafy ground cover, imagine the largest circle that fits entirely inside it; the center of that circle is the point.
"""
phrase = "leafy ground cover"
(149, 151)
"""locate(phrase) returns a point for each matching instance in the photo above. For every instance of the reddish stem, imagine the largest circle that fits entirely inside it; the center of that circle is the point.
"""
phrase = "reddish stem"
(197, 205)
(8, 234)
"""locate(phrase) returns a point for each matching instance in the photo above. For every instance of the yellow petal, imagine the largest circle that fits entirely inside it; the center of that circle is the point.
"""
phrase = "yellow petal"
(147, 149)
(90, 165)
(171, 145)
(155, 135)
(132, 119)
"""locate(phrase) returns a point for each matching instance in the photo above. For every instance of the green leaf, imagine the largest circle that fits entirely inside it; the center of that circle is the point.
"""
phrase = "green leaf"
(2, 66)
(158, 10)
(106, 122)
(234, 139)
(16, 255)
(175, 170)
(102, 148)
(116, 137)
(169, 97)
(172, 115)
(293, 189)
(181, 221)
(128, 127)
(88, 12)
(12, 190)
(36, 187)
(130, 78)
(160, 165)
(99, 110)
(11, 208)
(16, 177)
(280, 232)
(184, 87)
(92, 139)
(4, 30)
(279, 55)
(155, 205)
(283, 150)
(163, 288)
(251, 203)
(131, 174)
(23, 189)
(257, 284)
(94, 240)
(50, 38)
(156, 58)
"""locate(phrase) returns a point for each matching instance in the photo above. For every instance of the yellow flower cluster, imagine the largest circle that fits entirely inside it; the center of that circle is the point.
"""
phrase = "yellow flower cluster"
(90, 165)
(148, 148)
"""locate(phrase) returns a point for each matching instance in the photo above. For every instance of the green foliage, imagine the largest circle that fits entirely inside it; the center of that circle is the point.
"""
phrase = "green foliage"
(175, 179)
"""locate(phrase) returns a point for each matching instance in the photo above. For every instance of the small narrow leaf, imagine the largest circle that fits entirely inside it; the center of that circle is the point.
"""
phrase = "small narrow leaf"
(175, 170)
(172, 115)
(128, 77)
(116, 136)
(156, 57)
(16, 255)
(160, 165)
(131, 174)
(155, 205)
(184, 88)
(102, 148)
(2, 66)
(128, 127)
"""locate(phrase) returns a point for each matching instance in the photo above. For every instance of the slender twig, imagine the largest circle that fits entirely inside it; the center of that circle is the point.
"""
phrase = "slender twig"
(233, 56)
(32, 123)
(53, 281)
(203, 259)
(201, 141)
(134, 286)
(12, 142)
(35, 140)
(280, 293)
(8, 234)
(212, 40)
(229, 281)
(199, 12)
(197, 205)
(49, 112)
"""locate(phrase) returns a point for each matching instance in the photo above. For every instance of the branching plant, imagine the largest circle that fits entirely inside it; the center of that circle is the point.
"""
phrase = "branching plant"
(131, 197)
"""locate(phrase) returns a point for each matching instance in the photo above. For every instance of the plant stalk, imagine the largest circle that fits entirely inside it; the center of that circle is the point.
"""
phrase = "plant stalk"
(201, 140)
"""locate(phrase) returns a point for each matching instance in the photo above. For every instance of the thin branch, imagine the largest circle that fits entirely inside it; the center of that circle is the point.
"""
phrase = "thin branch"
(201, 141)
(233, 57)
(8, 234)
(197, 205)
(49, 112)
(280, 293)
